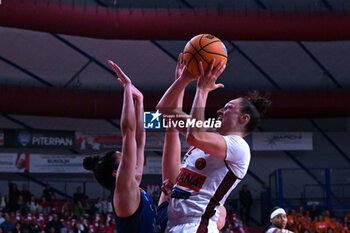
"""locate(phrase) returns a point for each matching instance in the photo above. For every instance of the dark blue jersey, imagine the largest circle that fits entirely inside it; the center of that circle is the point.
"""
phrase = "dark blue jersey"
(142, 221)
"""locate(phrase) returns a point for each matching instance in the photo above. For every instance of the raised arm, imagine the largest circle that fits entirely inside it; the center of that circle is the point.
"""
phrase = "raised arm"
(171, 160)
(126, 195)
(140, 133)
(209, 142)
(169, 103)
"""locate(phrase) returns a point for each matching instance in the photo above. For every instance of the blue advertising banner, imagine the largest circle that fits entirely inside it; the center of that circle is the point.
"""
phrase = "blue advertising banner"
(15, 138)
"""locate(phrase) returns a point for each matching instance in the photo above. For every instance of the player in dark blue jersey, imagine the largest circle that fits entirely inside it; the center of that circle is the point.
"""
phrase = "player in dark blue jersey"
(121, 172)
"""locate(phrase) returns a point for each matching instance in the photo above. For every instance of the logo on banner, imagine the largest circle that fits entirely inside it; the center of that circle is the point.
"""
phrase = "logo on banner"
(151, 120)
(283, 138)
(24, 138)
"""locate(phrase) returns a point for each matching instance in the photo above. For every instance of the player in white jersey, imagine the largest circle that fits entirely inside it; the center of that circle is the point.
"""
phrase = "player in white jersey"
(217, 161)
(171, 163)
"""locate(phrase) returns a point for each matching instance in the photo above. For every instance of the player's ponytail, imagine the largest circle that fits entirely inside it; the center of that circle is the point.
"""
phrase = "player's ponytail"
(255, 105)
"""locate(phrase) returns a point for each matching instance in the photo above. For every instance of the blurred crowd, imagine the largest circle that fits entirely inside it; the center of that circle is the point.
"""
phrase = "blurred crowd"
(22, 212)
(316, 220)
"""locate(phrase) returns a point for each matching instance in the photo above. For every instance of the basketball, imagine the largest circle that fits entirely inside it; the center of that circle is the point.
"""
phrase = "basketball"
(205, 48)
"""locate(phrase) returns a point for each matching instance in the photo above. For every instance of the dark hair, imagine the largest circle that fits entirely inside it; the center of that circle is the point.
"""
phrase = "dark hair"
(102, 168)
(255, 105)
(273, 209)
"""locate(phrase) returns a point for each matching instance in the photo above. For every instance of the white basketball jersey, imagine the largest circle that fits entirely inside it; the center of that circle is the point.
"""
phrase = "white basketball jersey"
(204, 182)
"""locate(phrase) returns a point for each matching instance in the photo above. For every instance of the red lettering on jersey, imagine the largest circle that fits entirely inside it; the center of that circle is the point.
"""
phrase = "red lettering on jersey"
(190, 179)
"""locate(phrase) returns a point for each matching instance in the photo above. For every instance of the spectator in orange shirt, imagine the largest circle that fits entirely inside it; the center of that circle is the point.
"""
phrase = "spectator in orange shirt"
(338, 227)
(313, 224)
(329, 230)
(321, 225)
(291, 217)
(348, 215)
(301, 212)
(303, 220)
(327, 216)
(347, 227)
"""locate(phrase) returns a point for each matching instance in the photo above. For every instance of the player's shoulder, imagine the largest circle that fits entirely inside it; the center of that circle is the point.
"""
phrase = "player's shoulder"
(235, 140)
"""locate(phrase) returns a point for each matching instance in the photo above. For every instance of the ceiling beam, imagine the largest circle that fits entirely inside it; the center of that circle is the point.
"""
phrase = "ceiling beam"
(174, 24)
(64, 102)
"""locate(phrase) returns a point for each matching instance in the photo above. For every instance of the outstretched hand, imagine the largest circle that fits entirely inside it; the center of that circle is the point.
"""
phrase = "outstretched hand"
(124, 80)
(208, 78)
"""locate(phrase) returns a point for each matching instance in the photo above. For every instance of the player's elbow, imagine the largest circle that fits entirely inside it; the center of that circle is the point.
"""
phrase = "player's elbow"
(162, 108)
(127, 131)
(192, 138)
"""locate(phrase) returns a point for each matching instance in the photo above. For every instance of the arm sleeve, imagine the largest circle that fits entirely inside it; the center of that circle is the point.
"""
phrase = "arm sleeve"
(237, 155)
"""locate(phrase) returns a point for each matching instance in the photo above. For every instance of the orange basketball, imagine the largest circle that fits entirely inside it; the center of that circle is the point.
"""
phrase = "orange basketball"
(205, 48)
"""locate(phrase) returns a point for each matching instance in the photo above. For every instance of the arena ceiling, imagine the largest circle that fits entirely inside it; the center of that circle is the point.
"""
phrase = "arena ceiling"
(35, 54)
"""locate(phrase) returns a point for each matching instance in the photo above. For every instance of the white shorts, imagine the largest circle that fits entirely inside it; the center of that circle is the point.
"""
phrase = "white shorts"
(191, 228)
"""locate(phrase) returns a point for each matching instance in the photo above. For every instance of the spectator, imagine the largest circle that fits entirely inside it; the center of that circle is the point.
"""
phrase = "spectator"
(17, 228)
(348, 215)
(33, 226)
(51, 230)
(347, 227)
(22, 206)
(100, 206)
(24, 226)
(78, 209)
(100, 228)
(4, 203)
(65, 228)
(291, 217)
(55, 223)
(301, 212)
(90, 207)
(2, 219)
(338, 227)
(245, 202)
(302, 220)
(314, 211)
(25, 194)
(321, 225)
(7, 225)
(298, 228)
(66, 212)
(78, 195)
(109, 228)
(46, 208)
(80, 228)
(33, 205)
(48, 193)
(13, 196)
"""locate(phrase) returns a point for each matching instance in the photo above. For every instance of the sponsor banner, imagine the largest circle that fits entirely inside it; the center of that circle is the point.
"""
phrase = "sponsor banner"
(43, 163)
(96, 142)
(39, 138)
(103, 142)
(155, 141)
(11, 162)
(268, 141)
